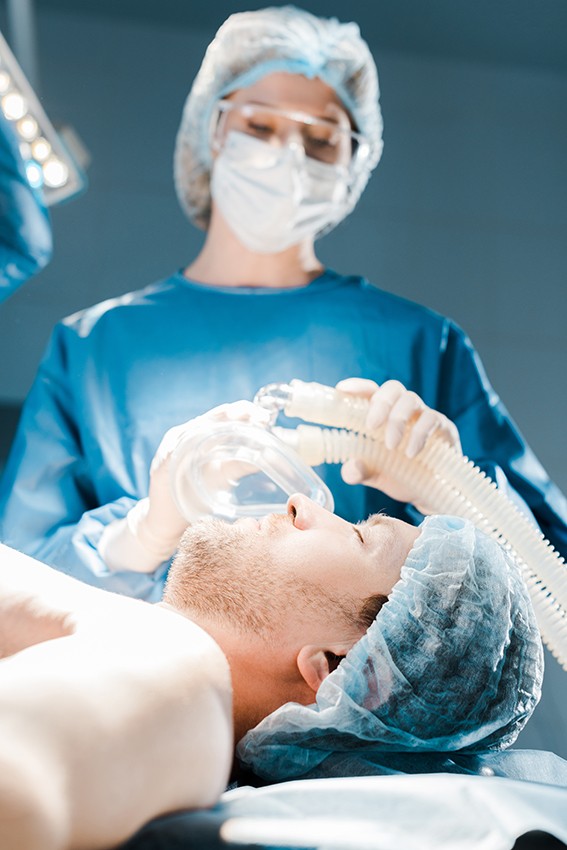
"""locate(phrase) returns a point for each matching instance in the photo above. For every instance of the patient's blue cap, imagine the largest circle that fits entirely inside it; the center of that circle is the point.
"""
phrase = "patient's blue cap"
(453, 662)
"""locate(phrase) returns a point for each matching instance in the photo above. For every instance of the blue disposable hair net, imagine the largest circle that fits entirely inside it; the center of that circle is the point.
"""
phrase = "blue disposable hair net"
(251, 45)
(453, 662)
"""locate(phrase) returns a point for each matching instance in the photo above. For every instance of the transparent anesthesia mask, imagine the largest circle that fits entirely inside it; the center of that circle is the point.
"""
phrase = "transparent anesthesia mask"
(238, 469)
(325, 139)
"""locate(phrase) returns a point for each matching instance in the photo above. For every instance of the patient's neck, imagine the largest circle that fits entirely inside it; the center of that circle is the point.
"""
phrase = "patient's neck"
(264, 674)
(263, 679)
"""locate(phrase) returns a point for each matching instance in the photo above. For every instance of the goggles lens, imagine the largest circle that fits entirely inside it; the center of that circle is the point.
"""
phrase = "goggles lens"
(330, 140)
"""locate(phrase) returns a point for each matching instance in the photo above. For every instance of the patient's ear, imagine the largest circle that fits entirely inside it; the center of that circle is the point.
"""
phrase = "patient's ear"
(315, 663)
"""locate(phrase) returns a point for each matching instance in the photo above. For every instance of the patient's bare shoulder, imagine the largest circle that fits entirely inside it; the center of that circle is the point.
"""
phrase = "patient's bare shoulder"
(171, 692)
(129, 714)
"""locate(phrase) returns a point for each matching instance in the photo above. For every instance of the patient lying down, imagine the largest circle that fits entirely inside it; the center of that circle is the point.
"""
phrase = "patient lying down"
(113, 711)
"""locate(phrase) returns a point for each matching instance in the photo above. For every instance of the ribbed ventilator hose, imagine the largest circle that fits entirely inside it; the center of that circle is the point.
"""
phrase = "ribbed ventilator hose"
(450, 484)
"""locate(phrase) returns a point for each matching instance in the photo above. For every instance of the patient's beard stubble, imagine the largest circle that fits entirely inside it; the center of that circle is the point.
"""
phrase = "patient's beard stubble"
(222, 573)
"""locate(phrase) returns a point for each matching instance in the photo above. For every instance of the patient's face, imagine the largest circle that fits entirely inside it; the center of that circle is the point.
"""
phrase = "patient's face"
(310, 565)
(312, 543)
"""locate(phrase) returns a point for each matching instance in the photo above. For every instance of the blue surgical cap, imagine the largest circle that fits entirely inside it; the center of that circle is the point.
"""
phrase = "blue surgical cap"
(453, 662)
(251, 45)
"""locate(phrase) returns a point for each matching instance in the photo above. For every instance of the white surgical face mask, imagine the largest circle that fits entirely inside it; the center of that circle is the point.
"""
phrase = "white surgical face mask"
(274, 196)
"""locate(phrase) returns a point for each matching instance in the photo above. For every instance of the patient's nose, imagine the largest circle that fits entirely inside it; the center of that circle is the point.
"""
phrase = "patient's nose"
(305, 513)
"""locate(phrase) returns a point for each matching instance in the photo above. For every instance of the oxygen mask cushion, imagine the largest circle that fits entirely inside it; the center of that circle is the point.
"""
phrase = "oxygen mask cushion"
(453, 662)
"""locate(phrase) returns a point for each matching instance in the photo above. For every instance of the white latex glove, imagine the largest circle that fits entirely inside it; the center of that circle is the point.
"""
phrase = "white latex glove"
(399, 409)
(150, 532)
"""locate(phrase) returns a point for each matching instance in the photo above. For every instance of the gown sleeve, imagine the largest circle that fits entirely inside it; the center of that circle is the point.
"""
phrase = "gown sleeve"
(25, 232)
(492, 440)
(48, 503)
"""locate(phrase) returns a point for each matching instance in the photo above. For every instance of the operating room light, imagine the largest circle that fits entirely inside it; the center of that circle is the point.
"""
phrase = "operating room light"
(48, 162)
(27, 128)
(55, 173)
(14, 106)
(40, 149)
(35, 174)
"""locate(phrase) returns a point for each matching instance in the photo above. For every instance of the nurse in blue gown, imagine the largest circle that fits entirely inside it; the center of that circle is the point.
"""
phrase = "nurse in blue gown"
(280, 133)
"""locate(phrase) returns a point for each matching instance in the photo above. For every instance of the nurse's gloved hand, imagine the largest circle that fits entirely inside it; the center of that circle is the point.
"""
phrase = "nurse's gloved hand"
(152, 529)
(401, 412)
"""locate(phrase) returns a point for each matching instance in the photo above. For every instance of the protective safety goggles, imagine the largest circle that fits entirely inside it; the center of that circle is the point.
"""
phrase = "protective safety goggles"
(330, 140)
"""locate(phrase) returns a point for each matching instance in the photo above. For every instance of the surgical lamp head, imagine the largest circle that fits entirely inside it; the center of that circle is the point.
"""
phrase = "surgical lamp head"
(248, 47)
(452, 662)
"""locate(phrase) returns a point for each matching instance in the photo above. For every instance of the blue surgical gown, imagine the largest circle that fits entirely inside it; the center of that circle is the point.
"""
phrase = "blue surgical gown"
(115, 377)
(25, 232)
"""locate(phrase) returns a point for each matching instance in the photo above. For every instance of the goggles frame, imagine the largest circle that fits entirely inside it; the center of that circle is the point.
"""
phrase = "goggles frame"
(360, 146)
